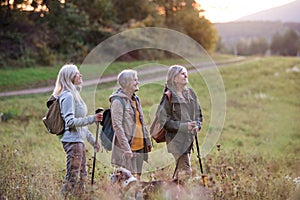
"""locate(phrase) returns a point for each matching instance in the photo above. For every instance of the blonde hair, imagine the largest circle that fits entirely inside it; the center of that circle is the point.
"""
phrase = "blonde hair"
(172, 73)
(65, 80)
(126, 76)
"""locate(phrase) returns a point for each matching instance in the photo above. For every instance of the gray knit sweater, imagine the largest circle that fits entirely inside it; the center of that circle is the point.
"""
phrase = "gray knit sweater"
(74, 113)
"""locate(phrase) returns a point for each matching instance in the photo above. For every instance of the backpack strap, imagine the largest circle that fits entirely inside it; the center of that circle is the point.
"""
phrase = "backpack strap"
(122, 102)
(50, 101)
(168, 93)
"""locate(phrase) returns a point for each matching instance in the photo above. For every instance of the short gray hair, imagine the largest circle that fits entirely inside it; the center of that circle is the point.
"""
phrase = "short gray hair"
(126, 76)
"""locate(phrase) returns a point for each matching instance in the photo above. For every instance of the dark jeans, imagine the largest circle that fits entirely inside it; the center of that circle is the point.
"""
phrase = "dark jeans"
(75, 167)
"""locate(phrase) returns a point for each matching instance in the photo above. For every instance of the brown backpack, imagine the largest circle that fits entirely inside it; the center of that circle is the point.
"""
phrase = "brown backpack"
(53, 120)
(157, 131)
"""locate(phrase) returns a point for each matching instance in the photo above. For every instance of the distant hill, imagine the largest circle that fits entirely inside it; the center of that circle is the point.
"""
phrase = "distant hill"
(286, 13)
(262, 24)
(232, 32)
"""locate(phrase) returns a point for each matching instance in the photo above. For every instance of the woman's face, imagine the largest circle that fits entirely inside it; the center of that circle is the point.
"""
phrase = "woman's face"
(134, 85)
(181, 78)
(77, 78)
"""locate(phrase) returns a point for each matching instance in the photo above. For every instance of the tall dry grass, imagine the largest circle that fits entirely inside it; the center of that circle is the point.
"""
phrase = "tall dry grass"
(257, 156)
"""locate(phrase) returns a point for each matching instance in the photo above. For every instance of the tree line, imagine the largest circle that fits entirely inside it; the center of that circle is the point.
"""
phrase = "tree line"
(48, 32)
(283, 44)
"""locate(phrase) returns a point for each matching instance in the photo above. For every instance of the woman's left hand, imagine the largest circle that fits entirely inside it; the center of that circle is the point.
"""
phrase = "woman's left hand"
(192, 125)
(196, 128)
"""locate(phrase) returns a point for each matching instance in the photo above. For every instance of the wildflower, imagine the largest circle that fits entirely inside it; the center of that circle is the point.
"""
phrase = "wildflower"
(297, 180)
(204, 179)
(16, 152)
(234, 177)
(153, 177)
(229, 168)
(203, 175)
(288, 177)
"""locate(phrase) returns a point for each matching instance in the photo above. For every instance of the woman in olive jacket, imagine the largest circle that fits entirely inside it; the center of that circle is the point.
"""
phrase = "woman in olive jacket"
(181, 116)
(131, 142)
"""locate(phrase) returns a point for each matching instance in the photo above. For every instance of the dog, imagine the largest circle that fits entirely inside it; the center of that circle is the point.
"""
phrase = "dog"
(132, 188)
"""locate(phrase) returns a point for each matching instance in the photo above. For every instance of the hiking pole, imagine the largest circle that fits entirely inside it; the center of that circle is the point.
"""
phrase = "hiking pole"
(99, 110)
(199, 158)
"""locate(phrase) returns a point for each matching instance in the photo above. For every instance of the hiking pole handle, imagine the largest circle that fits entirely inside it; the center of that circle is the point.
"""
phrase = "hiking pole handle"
(99, 110)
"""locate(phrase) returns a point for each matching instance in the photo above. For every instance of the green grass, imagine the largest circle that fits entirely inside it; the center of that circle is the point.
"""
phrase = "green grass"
(263, 103)
(12, 79)
(258, 157)
(24, 78)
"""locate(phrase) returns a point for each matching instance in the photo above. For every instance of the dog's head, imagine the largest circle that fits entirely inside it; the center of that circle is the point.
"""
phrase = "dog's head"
(122, 177)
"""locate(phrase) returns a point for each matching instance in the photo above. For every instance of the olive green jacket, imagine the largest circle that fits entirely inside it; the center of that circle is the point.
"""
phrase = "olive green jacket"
(174, 115)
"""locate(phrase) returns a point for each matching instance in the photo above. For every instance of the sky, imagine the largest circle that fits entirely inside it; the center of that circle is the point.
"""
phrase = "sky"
(218, 11)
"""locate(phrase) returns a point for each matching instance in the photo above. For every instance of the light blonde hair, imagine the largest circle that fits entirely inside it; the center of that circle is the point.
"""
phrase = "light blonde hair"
(172, 73)
(64, 81)
(125, 77)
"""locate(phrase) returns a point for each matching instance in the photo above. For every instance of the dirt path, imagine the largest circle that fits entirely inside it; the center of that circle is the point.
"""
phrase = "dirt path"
(150, 74)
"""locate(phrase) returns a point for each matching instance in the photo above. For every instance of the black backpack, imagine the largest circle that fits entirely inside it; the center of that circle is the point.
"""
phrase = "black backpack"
(107, 132)
(53, 120)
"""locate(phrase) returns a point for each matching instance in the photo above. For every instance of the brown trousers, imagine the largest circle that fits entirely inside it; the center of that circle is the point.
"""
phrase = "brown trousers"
(75, 168)
(183, 165)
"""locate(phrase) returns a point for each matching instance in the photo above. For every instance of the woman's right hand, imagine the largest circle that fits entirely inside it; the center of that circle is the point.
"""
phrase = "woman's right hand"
(99, 117)
(128, 154)
(97, 147)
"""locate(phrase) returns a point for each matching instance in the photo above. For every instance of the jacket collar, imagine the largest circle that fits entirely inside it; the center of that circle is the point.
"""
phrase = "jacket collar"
(186, 93)
(120, 93)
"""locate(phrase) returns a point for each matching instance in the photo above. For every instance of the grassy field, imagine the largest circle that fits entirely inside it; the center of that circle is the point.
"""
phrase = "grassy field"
(257, 155)
(24, 78)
